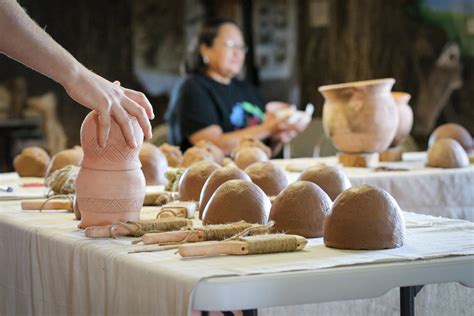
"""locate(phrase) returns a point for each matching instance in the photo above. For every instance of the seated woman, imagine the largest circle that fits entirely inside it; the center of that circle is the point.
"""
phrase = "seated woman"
(211, 104)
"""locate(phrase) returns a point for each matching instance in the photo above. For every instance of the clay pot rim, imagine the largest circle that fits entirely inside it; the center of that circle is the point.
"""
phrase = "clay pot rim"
(401, 96)
(356, 84)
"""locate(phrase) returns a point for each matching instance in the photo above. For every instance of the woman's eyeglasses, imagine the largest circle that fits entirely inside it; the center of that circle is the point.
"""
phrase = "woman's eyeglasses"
(230, 44)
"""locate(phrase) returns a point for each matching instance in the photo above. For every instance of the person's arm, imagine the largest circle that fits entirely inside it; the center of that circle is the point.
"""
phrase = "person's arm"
(227, 142)
(23, 40)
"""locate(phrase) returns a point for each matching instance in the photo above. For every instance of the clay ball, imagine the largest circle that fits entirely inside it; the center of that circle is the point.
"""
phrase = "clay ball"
(237, 200)
(195, 154)
(268, 176)
(154, 164)
(32, 162)
(301, 209)
(454, 131)
(173, 155)
(65, 158)
(217, 178)
(447, 153)
(364, 217)
(249, 155)
(331, 179)
(193, 179)
(216, 152)
(252, 142)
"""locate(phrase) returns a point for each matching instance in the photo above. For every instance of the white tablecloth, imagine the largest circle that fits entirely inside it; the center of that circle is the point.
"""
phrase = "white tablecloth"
(433, 191)
(49, 268)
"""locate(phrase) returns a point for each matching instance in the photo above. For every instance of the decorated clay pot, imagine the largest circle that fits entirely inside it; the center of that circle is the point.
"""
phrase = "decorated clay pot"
(360, 117)
(405, 116)
(105, 197)
(110, 186)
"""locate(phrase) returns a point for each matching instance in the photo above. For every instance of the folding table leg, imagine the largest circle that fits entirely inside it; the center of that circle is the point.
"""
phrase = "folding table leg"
(250, 312)
(407, 299)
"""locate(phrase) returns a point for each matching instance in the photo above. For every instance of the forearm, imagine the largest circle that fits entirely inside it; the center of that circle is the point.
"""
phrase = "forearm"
(227, 142)
(23, 40)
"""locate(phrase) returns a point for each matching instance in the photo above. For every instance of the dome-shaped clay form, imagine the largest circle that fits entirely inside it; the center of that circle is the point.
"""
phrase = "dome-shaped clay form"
(301, 209)
(453, 131)
(73, 156)
(154, 164)
(32, 162)
(331, 179)
(268, 176)
(249, 155)
(173, 155)
(252, 142)
(193, 179)
(195, 154)
(237, 200)
(117, 154)
(405, 115)
(447, 153)
(364, 217)
(217, 178)
(216, 152)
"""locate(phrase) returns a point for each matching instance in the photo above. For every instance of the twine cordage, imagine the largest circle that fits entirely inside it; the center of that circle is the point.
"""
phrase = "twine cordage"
(63, 181)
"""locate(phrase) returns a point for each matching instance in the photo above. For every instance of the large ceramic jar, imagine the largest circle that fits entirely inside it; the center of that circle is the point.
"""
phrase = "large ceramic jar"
(405, 116)
(110, 186)
(360, 117)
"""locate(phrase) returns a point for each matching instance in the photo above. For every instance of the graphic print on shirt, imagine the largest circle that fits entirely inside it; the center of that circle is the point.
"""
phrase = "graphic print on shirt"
(245, 114)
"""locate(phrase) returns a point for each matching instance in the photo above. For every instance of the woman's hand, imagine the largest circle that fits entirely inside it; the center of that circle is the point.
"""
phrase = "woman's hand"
(111, 100)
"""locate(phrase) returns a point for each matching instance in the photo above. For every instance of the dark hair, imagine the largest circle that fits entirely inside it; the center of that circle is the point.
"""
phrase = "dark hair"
(208, 32)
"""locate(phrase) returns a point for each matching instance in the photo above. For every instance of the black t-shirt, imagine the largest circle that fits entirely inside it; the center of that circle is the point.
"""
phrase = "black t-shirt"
(199, 101)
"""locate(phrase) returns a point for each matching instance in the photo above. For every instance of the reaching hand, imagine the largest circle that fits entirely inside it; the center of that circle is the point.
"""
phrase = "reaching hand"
(110, 99)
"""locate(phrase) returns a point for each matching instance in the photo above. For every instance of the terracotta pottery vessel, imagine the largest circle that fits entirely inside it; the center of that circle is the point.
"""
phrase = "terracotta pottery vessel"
(405, 116)
(110, 186)
(360, 117)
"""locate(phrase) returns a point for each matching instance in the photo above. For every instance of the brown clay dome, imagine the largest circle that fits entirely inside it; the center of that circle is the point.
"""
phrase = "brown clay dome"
(249, 155)
(252, 142)
(301, 209)
(216, 152)
(364, 217)
(154, 164)
(195, 154)
(217, 178)
(447, 153)
(32, 162)
(65, 158)
(193, 179)
(173, 154)
(454, 131)
(331, 179)
(268, 176)
(237, 200)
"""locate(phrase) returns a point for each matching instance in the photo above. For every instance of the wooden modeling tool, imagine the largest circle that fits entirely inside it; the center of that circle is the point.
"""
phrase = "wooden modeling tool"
(185, 209)
(137, 229)
(262, 244)
(206, 233)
